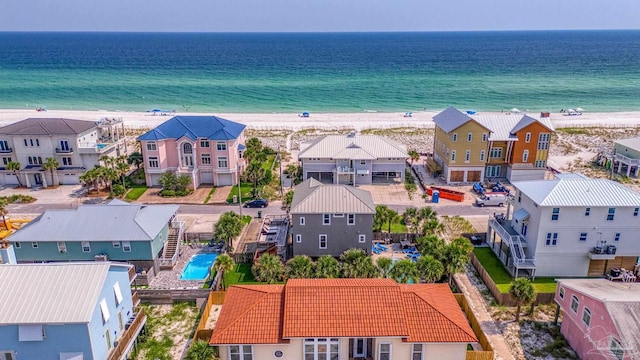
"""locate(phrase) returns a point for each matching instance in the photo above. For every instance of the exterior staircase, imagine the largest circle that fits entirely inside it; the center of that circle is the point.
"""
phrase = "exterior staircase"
(171, 249)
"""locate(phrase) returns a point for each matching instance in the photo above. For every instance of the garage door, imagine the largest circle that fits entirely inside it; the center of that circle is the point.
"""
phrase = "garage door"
(10, 179)
(457, 176)
(69, 179)
(206, 177)
(473, 176)
(225, 180)
(155, 179)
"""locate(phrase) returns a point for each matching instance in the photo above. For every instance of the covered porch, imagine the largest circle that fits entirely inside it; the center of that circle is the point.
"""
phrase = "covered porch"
(509, 245)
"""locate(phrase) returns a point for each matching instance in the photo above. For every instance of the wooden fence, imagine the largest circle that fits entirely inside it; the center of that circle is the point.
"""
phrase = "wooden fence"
(393, 237)
(202, 333)
(169, 296)
(487, 349)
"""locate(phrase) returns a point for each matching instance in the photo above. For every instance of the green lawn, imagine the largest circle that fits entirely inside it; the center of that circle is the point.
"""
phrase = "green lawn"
(240, 275)
(501, 277)
(267, 163)
(135, 192)
(245, 189)
(398, 228)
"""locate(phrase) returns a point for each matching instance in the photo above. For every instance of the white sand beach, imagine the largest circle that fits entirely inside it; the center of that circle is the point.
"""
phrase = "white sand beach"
(287, 121)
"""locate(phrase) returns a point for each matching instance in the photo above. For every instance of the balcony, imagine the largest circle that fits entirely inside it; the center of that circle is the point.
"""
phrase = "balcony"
(602, 253)
(344, 170)
(6, 151)
(64, 151)
(131, 331)
(135, 298)
(97, 148)
(132, 274)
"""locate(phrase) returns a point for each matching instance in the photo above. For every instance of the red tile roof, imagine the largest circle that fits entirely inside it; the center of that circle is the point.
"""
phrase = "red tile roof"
(269, 314)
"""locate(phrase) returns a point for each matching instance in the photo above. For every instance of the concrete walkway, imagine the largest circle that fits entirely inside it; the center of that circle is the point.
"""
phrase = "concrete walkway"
(220, 195)
(490, 328)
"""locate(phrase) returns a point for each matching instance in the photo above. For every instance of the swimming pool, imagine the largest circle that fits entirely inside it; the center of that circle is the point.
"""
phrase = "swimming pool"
(101, 146)
(198, 267)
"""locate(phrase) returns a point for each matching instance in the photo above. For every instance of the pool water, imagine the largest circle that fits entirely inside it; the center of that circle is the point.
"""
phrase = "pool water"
(101, 146)
(198, 267)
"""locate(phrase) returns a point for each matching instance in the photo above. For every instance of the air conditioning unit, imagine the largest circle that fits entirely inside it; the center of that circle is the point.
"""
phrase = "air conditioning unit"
(101, 257)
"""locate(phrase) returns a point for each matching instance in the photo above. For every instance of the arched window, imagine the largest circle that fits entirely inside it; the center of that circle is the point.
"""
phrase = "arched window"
(586, 316)
(187, 148)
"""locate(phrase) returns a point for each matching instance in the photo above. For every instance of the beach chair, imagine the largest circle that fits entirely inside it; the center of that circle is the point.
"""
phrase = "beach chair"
(381, 247)
(375, 250)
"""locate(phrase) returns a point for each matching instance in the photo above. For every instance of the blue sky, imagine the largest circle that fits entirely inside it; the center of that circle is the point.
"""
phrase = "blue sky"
(316, 15)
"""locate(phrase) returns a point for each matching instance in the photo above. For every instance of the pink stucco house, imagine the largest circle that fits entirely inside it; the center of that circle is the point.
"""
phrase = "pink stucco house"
(207, 148)
(601, 318)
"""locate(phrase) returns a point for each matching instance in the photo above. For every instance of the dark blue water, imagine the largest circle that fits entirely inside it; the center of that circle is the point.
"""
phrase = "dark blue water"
(595, 70)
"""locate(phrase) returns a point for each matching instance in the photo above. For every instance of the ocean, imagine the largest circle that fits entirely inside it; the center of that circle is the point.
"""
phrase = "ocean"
(321, 72)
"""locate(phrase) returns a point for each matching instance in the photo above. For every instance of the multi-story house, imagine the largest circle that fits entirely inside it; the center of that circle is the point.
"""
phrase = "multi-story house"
(342, 319)
(328, 219)
(7, 254)
(77, 145)
(570, 226)
(207, 148)
(72, 311)
(471, 148)
(627, 156)
(147, 236)
(353, 159)
(600, 318)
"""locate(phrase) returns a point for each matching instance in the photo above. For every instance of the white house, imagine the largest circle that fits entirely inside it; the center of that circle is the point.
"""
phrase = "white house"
(570, 226)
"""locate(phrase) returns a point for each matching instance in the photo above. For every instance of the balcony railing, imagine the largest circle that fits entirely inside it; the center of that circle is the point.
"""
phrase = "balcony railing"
(132, 274)
(344, 170)
(132, 329)
(64, 151)
(515, 243)
(6, 151)
(135, 298)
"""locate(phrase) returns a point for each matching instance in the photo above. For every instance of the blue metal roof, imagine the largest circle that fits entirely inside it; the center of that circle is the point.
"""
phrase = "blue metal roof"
(195, 127)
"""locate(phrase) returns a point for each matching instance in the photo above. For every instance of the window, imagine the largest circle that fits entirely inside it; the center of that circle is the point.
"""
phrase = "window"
(221, 146)
(469, 137)
(321, 349)
(351, 219)
(322, 241)
(62, 246)
(616, 237)
(467, 156)
(206, 159)
(66, 161)
(31, 333)
(363, 162)
(7, 355)
(326, 219)
(416, 352)
(552, 239)
(561, 293)
(222, 162)
(86, 246)
(204, 143)
(540, 163)
(34, 244)
(453, 155)
(587, 211)
(153, 162)
(495, 153)
(362, 238)
(482, 155)
(574, 304)
(616, 349)
(611, 214)
(586, 316)
(116, 244)
(187, 148)
(525, 156)
(301, 220)
(384, 351)
(519, 196)
(126, 246)
(298, 238)
(583, 236)
(493, 171)
(117, 293)
(338, 215)
(555, 214)
(5, 161)
(37, 142)
(527, 137)
(107, 338)
(454, 137)
(240, 352)
(25, 142)
(18, 245)
(104, 310)
(120, 320)
(484, 137)
(543, 141)
(151, 146)
(635, 211)
(31, 142)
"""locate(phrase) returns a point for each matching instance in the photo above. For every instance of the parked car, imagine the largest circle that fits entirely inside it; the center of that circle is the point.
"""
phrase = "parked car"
(257, 203)
(489, 199)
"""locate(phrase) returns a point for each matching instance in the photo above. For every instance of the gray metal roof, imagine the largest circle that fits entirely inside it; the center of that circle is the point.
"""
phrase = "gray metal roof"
(113, 222)
(313, 197)
(450, 119)
(578, 191)
(632, 143)
(60, 293)
(357, 147)
(53, 126)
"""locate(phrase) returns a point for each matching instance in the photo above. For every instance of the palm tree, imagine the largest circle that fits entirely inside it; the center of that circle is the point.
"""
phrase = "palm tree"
(228, 227)
(380, 218)
(457, 256)
(327, 267)
(392, 218)
(299, 267)
(200, 350)
(432, 245)
(411, 219)
(269, 269)
(223, 264)
(404, 271)
(430, 268)
(522, 292)
(357, 264)
(429, 220)
(122, 167)
(384, 264)
(135, 159)
(14, 167)
(254, 173)
(51, 164)
(4, 211)
(413, 155)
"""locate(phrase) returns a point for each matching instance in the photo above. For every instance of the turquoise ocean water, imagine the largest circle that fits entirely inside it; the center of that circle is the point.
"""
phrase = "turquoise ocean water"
(350, 72)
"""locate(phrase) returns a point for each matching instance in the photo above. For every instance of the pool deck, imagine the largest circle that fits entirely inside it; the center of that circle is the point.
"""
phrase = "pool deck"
(170, 279)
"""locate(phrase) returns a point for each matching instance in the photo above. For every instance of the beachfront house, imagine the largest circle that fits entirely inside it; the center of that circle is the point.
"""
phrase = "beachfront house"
(77, 145)
(147, 236)
(353, 159)
(342, 319)
(71, 311)
(207, 148)
(601, 318)
(569, 226)
(328, 219)
(626, 157)
(471, 148)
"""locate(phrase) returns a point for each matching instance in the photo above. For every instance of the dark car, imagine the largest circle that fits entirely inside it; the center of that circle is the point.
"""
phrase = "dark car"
(257, 203)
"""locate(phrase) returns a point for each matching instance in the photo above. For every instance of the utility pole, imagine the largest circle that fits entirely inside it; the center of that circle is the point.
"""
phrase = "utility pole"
(239, 192)
(280, 163)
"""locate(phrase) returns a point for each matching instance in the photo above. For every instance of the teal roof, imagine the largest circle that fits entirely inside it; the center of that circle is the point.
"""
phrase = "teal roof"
(195, 127)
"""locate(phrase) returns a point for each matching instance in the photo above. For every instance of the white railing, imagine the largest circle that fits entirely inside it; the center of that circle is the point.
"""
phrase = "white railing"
(176, 227)
(344, 169)
(514, 242)
(627, 160)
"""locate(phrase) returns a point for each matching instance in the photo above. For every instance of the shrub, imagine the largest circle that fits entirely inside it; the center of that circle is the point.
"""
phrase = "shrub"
(167, 193)
(118, 190)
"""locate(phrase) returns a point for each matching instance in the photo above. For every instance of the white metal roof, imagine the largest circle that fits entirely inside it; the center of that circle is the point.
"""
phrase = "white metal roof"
(576, 191)
(50, 293)
(632, 143)
(313, 197)
(113, 222)
(451, 118)
(361, 147)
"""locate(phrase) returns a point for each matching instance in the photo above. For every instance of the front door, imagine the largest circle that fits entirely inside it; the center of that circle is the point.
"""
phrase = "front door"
(360, 347)
(37, 178)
